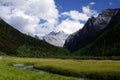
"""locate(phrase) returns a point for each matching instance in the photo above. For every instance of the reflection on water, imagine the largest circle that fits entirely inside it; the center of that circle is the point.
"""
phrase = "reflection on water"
(31, 67)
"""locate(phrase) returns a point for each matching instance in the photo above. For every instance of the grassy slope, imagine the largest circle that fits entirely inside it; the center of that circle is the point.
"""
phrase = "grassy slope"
(96, 69)
(15, 43)
(107, 44)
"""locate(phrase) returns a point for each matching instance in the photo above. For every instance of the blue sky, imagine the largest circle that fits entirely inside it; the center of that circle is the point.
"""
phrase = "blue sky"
(66, 5)
(40, 17)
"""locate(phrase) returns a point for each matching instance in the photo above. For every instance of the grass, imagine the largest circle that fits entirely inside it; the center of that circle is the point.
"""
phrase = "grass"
(8, 72)
(100, 70)
(95, 69)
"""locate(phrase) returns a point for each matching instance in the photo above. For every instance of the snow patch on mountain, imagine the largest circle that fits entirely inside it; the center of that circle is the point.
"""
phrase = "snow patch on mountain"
(56, 38)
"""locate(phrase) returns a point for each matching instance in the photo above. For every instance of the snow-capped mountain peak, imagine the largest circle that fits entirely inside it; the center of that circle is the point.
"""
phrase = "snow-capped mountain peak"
(56, 38)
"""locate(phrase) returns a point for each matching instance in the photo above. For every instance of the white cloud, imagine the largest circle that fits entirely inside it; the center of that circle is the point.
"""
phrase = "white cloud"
(74, 18)
(110, 3)
(88, 11)
(76, 15)
(25, 15)
(92, 3)
(69, 26)
(82, 16)
(41, 16)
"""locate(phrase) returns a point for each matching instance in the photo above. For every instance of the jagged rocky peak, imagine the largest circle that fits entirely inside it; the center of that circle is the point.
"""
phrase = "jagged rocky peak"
(52, 33)
(56, 33)
(92, 29)
(110, 12)
(56, 38)
(105, 17)
(36, 36)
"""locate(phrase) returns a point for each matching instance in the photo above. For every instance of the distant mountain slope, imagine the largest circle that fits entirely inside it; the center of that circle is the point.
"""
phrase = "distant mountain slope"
(56, 38)
(107, 44)
(14, 42)
(92, 29)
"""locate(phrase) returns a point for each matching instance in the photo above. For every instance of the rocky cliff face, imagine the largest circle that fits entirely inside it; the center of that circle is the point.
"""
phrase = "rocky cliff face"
(92, 29)
(56, 38)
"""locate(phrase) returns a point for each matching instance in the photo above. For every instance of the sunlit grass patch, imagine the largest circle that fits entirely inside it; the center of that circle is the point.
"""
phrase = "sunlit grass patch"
(8, 72)
(96, 69)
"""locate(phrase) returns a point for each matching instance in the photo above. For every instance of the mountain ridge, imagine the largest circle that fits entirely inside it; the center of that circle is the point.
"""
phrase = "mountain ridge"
(91, 30)
(106, 45)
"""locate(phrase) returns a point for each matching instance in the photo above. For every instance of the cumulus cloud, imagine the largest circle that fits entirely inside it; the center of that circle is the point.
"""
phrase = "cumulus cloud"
(69, 26)
(92, 3)
(25, 15)
(110, 3)
(42, 16)
(74, 19)
(76, 15)
(88, 11)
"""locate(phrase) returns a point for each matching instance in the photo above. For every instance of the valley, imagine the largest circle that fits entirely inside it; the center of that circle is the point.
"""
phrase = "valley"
(92, 53)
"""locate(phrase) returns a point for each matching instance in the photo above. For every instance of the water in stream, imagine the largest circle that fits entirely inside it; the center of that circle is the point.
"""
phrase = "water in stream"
(31, 67)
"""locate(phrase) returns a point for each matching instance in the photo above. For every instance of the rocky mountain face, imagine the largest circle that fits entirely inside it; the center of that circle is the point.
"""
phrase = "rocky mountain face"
(92, 29)
(56, 38)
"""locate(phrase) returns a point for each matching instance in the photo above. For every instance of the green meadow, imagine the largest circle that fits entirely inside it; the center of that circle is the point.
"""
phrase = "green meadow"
(8, 72)
(69, 68)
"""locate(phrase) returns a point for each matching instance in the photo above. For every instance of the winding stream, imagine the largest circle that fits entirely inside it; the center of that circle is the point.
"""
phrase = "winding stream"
(31, 67)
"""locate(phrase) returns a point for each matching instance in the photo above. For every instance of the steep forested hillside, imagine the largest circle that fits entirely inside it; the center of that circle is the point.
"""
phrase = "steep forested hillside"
(107, 44)
(13, 42)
